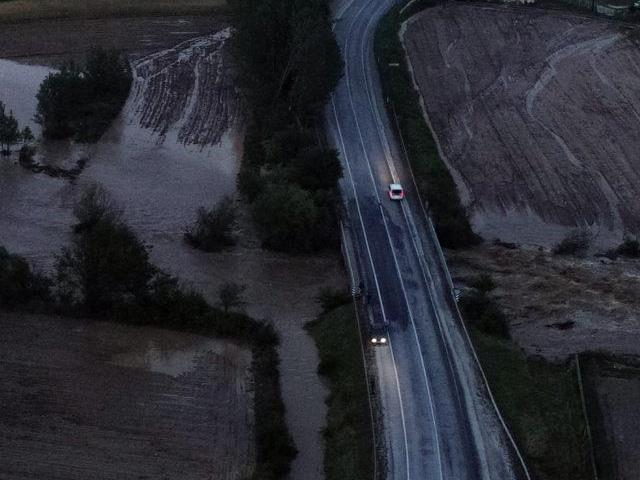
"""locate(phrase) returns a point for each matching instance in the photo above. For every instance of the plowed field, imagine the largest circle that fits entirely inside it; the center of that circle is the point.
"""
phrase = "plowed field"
(538, 117)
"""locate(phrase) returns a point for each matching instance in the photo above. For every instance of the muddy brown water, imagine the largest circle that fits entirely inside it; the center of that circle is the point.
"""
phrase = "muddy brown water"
(162, 159)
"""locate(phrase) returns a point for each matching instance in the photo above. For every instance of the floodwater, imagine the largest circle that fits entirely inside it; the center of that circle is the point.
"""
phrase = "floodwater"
(163, 158)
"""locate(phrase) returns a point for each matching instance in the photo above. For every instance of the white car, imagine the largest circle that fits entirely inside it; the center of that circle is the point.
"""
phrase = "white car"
(395, 191)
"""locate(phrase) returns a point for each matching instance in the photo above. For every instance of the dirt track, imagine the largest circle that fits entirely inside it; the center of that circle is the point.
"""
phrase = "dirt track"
(105, 401)
(538, 116)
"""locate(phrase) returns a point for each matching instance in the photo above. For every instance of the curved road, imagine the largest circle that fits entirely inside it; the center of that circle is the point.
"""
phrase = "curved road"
(438, 419)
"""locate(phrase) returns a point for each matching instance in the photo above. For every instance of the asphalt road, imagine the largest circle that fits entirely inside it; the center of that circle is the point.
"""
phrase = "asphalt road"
(438, 419)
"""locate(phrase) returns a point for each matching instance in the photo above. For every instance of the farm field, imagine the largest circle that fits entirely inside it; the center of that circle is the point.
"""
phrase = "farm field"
(28, 10)
(537, 116)
(101, 400)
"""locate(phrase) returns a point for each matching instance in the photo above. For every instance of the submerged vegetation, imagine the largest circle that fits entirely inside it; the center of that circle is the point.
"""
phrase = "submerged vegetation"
(81, 101)
(288, 174)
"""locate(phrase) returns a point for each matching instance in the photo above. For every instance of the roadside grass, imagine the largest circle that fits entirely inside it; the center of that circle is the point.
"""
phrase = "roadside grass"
(14, 11)
(541, 403)
(434, 181)
(348, 436)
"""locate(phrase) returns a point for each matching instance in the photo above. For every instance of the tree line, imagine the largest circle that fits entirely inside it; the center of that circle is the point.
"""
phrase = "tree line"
(289, 64)
(10, 132)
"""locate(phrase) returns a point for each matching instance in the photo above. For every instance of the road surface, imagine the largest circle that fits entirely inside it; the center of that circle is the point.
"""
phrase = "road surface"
(438, 418)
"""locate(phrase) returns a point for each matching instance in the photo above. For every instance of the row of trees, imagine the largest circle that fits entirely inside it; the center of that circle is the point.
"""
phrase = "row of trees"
(80, 101)
(10, 132)
(290, 63)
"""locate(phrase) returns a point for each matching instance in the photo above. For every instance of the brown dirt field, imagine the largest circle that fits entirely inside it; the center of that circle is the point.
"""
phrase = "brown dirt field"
(107, 401)
(51, 43)
(28, 10)
(537, 114)
(558, 306)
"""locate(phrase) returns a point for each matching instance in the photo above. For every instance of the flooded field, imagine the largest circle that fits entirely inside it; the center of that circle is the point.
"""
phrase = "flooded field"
(537, 114)
(174, 148)
(100, 400)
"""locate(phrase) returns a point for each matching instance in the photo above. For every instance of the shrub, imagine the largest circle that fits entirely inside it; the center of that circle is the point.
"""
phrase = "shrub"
(577, 243)
(330, 298)
(213, 229)
(230, 295)
(482, 312)
(484, 283)
(630, 247)
(95, 205)
(19, 284)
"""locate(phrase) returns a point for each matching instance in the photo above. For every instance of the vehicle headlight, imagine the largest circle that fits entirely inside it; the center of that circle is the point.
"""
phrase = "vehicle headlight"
(374, 340)
(383, 340)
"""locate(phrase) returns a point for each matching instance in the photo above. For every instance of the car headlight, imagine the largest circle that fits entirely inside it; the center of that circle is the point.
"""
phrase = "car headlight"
(374, 340)
(383, 340)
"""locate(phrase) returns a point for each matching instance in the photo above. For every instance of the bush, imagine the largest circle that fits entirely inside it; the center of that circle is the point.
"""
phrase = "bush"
(213, 229)
(19, 284)
(331, 299)
(575, 243)
(630, 247)
(483, 313)
(95, 205)
(484, 283)
(81, 102)
(230, 295)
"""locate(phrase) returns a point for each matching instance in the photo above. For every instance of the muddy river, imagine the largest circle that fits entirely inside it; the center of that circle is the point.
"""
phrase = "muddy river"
(173, 149)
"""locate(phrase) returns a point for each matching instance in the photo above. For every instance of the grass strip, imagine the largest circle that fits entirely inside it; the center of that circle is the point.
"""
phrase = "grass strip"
(541, 403)
(433, 179)
(348, 435)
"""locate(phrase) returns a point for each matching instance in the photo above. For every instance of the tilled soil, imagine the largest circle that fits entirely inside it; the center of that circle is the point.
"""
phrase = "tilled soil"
(52, 42)
(106, 401)
(559, 306)
(188, 88)
(538, 117)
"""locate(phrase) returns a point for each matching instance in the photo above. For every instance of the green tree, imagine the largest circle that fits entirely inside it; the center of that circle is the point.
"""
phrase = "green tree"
(26, 135)
(18, 283)
(213, 229)
(9, 131)
(286, 215)
(106, 267)
(230, 295)
(316, 169)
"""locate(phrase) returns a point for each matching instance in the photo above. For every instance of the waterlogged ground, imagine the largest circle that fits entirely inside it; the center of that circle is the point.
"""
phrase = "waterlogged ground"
(100, 400)
(174, 149)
